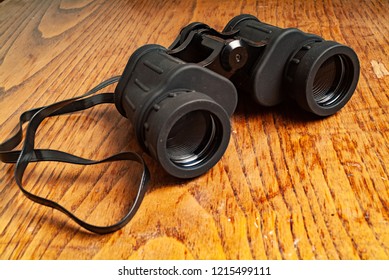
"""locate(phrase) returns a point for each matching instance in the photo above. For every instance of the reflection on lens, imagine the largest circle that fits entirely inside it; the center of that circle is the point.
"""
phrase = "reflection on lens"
(192, 139)
(331, 82)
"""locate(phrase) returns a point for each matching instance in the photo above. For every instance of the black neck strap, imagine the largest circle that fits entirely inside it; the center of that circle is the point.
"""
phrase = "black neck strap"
(28, 154)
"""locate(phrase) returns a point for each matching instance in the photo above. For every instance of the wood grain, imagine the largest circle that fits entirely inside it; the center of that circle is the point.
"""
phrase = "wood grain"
(288, 187)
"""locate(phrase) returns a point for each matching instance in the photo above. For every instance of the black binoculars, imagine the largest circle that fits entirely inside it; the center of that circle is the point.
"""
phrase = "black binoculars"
(180, 99)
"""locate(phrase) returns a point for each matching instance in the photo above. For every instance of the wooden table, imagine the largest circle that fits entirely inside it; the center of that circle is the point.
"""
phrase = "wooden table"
(289, 186)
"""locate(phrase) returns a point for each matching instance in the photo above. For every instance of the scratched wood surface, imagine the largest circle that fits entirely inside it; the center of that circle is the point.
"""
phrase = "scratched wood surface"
(288, 187)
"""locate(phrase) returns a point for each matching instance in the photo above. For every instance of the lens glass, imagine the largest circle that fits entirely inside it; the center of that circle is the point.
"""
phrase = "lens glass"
(329, 83)
(192, 139)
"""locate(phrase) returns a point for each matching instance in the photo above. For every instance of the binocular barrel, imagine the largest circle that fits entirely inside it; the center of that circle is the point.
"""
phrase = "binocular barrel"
(180, 99)
(320, 75)
(180, 111)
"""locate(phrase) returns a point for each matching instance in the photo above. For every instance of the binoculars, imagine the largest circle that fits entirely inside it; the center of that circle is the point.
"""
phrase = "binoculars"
(180, 99)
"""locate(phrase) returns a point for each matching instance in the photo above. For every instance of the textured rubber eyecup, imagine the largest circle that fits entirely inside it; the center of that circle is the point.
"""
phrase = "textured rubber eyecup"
(305, 77)
(170, 111)
(236, 20)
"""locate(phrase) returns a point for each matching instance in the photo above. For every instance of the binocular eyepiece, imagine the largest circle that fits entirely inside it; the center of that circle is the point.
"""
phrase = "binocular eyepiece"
(180, 99)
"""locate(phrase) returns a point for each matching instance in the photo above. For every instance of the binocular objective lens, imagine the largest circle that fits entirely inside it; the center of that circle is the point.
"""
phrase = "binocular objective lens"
(192, 139)
(324, 76)
(188, 134)
(330, 83)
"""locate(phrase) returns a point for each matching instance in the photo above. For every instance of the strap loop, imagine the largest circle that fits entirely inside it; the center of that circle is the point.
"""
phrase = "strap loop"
(28, 154)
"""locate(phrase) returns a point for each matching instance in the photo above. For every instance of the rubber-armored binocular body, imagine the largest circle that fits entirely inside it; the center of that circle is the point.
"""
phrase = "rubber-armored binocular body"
(180, 99)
